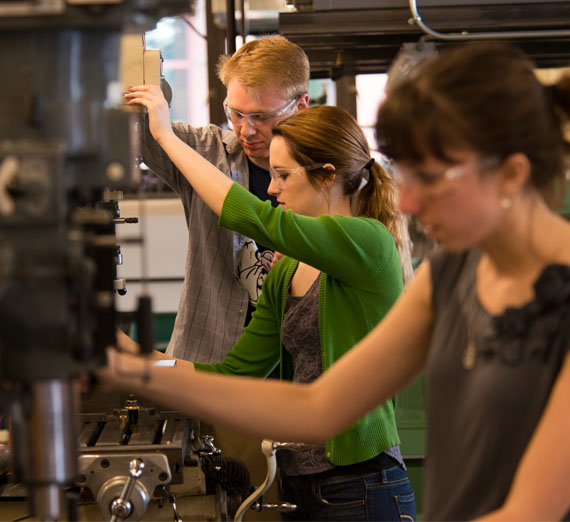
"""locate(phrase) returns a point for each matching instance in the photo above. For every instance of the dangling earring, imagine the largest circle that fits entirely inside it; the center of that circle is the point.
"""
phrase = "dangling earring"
(506, 203)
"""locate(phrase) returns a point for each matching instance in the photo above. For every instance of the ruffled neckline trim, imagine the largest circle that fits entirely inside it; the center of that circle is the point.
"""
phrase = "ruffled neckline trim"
(551, 290)
(529, 332)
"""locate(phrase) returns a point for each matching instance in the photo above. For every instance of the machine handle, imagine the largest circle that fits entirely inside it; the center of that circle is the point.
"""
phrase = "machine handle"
(121, 507)
(281, 506)
(172, 499)
(268, 448)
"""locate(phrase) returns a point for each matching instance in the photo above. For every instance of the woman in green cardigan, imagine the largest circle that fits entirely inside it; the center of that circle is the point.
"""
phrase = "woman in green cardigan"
(339, 230)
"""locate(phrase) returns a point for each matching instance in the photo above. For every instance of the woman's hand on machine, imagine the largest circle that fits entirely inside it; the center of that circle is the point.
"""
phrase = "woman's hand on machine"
(151, 97)
(127, 345)
(133, 373)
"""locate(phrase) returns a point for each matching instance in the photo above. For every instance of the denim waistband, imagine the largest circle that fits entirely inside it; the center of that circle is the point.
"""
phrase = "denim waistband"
(378, 463)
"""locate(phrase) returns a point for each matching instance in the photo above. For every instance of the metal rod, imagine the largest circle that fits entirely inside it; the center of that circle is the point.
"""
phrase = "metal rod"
(242, 24)
(230, 26)
(216, 46)
(465, 35)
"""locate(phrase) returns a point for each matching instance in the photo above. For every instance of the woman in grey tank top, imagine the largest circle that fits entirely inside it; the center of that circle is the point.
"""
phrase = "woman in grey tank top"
(482, 166)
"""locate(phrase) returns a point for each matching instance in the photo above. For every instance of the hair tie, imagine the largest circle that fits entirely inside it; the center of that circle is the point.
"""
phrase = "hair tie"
(368, 166)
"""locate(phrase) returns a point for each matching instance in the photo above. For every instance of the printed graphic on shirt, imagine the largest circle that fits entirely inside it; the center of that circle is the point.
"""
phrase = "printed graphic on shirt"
(253, 267)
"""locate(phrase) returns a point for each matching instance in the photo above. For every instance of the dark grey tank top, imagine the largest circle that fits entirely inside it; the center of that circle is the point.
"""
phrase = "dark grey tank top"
(488, 380)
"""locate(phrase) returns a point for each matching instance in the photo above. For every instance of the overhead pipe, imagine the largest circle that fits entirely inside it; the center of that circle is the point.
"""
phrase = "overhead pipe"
(491, 35)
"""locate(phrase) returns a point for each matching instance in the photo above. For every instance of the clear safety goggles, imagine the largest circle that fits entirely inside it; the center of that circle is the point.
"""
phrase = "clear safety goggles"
(256, 119)
(280, 174)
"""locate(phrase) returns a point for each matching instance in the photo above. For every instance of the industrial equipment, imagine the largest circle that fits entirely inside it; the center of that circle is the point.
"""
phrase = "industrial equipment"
(64, 139)
(137, 461)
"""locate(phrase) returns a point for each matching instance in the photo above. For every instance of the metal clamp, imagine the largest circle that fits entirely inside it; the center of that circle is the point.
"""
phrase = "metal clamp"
(208, 441)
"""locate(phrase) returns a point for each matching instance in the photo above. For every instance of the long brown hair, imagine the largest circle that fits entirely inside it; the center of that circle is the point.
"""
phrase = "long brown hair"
(327, 134)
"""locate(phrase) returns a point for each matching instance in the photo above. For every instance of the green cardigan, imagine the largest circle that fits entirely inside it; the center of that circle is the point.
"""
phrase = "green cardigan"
(361, 279)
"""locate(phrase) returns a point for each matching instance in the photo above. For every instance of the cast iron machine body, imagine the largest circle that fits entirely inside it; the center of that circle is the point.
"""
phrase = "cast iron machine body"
(64, 139)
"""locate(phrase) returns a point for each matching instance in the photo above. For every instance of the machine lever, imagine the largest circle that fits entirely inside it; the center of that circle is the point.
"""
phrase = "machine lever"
(268, 448)
(172, 499)
(125, 220)
(121, 507)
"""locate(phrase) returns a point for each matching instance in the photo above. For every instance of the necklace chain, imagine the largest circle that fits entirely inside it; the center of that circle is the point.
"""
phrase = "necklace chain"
(473, 320)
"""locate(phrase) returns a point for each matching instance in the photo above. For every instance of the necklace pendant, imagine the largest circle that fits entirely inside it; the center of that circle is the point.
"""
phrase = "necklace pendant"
(469, 356)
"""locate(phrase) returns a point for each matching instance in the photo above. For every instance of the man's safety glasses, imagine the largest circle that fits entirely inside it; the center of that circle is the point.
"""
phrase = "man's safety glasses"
(256, 119)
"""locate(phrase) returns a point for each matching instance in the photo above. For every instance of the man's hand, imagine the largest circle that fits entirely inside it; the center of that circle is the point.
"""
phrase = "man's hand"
(276, 257)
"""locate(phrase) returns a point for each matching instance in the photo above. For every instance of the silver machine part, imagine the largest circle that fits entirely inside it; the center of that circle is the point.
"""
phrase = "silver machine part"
(124, 484)
(53, 445)
(44, 441)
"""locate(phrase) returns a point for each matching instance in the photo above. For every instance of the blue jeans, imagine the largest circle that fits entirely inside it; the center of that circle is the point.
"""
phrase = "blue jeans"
(351, 493)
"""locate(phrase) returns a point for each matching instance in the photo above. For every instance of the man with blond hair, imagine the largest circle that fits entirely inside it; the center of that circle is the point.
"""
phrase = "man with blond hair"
(266, 80)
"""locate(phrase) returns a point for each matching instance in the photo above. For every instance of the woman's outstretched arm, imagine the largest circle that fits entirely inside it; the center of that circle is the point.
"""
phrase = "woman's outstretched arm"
(382, 364)
(210, 183)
